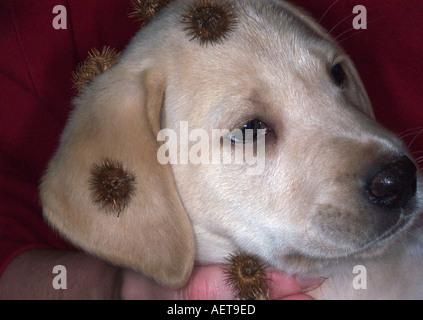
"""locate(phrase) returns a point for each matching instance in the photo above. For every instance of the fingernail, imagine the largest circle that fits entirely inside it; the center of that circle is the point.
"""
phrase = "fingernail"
(309, 284)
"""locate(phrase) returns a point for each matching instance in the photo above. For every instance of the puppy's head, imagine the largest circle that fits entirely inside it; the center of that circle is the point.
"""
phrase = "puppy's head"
(334, 183)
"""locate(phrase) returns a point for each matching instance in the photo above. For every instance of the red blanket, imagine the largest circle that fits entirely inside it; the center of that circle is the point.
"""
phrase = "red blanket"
(36, 62)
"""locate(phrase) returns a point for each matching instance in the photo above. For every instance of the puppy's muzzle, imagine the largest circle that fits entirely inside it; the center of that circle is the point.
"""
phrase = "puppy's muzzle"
(393, 184)
(361, 213)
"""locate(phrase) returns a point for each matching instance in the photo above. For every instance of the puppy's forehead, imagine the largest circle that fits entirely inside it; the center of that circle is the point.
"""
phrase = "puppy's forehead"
(269, 22)
(277, 16)
(269, 33)
(270, 43)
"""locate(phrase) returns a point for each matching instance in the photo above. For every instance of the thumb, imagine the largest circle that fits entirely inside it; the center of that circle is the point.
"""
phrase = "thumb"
(206, 283)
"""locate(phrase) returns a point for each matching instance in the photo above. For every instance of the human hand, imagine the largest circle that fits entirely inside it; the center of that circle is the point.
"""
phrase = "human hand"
(208, 283)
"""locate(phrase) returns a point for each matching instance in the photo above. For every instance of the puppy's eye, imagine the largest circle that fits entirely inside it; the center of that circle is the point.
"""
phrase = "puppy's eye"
(249, 131)
(338, 75)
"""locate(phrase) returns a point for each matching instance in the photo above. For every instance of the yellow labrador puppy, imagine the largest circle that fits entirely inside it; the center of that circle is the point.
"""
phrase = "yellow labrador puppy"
(330, 192)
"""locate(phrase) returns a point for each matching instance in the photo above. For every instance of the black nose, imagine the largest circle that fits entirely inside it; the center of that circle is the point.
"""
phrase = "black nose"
(393, 184)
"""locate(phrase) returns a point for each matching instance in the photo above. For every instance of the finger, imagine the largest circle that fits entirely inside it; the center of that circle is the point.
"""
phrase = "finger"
(282, 285)
(298, 297)
(206, 283)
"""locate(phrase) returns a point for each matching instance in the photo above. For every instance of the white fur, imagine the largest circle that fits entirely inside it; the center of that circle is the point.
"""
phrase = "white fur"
(273, 66)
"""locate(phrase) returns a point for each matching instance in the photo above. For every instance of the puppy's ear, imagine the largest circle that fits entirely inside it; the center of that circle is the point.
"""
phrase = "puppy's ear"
(105, 190)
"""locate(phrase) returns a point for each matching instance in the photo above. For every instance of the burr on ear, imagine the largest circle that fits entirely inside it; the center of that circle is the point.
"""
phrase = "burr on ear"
(112, 186)
(96, 63)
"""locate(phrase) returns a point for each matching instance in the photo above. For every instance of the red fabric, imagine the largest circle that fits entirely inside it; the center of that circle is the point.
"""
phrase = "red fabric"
(36, 62)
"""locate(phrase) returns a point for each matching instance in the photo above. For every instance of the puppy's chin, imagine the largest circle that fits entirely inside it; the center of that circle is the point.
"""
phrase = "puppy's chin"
(381, 243)
(311, 263)
(337, 231)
